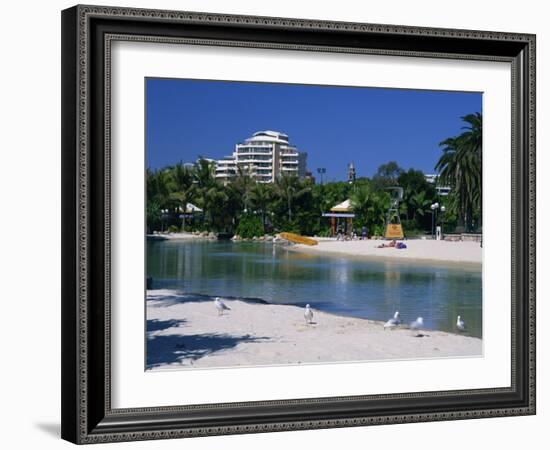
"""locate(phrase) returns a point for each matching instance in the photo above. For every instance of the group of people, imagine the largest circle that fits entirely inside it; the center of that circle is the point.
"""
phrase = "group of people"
(392, 244)
(341, 236)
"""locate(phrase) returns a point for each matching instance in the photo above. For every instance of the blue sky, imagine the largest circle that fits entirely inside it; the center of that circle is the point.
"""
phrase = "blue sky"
(334, 125)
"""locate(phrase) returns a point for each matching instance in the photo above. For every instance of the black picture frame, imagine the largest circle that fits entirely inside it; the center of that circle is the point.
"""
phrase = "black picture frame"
(87, 416)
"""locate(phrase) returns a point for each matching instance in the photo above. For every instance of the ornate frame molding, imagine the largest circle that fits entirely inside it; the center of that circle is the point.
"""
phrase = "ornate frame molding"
(87, 422)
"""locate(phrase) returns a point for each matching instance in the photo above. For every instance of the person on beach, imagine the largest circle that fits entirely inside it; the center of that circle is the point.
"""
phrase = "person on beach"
(364, 232)
(391, 244)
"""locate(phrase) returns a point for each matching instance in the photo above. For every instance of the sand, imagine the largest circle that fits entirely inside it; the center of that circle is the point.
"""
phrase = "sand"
(417, 249)
(186, 331)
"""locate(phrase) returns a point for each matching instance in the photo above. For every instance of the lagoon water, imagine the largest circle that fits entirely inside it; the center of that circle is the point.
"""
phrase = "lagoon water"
(356, 287)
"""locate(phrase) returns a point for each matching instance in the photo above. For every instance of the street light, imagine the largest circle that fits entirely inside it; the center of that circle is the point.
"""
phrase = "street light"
(321, 171)
(434, 207)
(164, 215)
(442, 219)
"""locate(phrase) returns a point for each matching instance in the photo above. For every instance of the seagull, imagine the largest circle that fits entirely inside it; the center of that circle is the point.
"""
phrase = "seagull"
(417, 325)
(308, 314)
(460, 324)
(220, 306)
(393, 322)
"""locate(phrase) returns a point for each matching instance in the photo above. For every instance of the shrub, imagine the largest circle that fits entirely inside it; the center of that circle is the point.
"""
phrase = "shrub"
(250, 226)
(378, 230)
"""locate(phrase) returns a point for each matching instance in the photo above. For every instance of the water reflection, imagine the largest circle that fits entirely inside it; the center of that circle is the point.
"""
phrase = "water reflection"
(349, 286)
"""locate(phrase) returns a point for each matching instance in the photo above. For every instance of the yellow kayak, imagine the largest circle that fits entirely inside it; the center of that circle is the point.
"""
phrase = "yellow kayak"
(296, 238)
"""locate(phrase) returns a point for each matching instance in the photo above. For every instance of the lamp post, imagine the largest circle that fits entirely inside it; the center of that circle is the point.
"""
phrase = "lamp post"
(433, 207)
(321, 171)
(164, 215)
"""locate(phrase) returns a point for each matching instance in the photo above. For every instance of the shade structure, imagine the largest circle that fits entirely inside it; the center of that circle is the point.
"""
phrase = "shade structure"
(344, 211)
(348, 215)
(343, 207)
(190, 208)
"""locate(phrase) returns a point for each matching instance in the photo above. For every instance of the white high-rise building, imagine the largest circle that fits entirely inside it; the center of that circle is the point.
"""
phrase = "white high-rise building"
(433, 179)
(265, 155)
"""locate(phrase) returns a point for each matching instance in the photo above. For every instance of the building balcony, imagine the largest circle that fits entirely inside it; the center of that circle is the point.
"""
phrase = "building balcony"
(261, 151)
(233, 167)
(248, 154)
(254, 161)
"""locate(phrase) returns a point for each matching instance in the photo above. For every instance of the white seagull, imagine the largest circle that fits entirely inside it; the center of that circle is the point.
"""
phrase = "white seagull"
(417, 325)
(308, 314)
(460, 324)
(220, 306)
(393, 322)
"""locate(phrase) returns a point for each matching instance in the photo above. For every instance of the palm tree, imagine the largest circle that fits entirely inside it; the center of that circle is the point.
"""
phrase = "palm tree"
(206, 185)
(243, 185)
(203, 173)
(289, 189)
(159, 186)
(451, 173)
(381, 204)
(419, 203)
(215, 200)
(183, 188)
(362, 201)
(261, 195)
(460, 166)
(471, 153)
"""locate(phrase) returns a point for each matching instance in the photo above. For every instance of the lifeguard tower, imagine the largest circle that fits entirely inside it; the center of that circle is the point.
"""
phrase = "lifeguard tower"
(393, 228)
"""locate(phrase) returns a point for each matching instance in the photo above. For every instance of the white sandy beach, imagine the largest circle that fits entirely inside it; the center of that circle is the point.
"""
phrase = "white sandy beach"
(417, 249)
(186, 331)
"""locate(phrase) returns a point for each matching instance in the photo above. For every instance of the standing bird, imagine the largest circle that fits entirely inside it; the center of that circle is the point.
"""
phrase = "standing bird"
(460, 324)
(308, 314)
(393, 322)
(417, 325)
(220, 306)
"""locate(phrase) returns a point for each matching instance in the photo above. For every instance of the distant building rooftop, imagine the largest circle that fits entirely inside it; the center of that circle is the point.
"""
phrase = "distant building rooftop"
(268, 136)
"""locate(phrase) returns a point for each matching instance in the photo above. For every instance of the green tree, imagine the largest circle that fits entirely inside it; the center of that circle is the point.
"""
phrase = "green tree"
(243, 184)
(183, 189)
(261, 196)
(419, 204)
(363, 203)
(289, 189)
(206, 185)
(382, 202)
(460, 166)
(386, 175)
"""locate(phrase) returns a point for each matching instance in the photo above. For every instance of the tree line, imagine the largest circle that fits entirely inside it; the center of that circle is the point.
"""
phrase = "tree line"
(247, 207)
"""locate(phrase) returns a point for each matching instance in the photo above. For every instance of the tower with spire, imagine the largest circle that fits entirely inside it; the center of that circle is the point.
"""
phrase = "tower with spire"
(351, 173)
